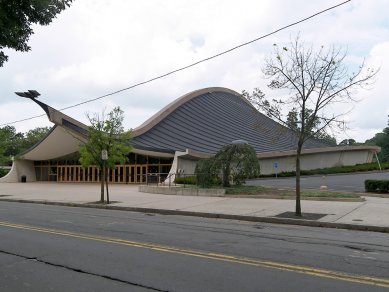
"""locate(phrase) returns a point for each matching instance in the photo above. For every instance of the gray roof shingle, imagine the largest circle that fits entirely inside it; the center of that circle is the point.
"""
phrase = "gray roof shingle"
(210, 120)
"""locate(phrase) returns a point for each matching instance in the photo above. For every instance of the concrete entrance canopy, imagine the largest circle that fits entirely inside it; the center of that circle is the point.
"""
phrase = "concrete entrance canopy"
(196, 126)
(58, 143)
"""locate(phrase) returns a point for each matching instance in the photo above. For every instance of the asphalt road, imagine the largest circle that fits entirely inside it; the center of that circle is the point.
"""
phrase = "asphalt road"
(51, 248)
(353, 182)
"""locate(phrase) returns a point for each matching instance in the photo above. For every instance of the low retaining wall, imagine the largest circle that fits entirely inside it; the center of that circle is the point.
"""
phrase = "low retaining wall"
(181, 191)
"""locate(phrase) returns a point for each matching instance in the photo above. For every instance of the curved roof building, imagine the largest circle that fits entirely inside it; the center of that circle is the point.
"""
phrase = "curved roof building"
(194, 126)
(206, 120)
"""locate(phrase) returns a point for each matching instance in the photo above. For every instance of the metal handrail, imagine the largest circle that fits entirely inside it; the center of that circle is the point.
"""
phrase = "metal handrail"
(157, 175)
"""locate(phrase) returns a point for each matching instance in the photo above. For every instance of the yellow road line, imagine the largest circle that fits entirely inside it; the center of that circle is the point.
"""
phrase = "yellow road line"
(213, 256)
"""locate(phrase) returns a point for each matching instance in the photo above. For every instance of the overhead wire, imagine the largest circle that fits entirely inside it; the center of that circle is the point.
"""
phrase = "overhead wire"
(187, 66)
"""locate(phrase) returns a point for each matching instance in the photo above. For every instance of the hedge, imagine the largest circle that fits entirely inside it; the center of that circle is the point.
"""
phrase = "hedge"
(3, 172)
(377, 186)
(334, 170)
(193, 180)
(186, 180)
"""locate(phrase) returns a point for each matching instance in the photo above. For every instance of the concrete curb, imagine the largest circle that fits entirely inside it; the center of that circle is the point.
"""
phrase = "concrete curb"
(182, 191)
(275, 220)
(220, 193)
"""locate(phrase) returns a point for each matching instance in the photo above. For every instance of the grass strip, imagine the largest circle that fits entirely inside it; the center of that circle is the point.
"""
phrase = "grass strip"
(259, 190)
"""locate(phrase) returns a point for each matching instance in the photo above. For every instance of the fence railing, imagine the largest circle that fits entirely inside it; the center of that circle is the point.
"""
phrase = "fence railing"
(172, 179)
(187, 180)
(191, 179)
(156, 178)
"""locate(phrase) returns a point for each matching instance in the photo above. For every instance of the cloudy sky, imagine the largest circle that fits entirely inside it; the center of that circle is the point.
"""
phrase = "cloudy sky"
(100, 46)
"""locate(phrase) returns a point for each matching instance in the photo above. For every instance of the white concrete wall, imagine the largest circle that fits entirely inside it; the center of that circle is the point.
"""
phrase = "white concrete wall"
(288, 163)
(314, 161)
(180, 165)
(187, 166)
(173, 170)
(19, 168)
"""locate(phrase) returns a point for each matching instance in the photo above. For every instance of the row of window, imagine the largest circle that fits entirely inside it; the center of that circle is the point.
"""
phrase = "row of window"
(128, 173)
(132, 159)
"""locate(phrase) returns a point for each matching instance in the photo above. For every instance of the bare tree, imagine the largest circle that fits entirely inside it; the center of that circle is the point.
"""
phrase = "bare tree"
(314, 81)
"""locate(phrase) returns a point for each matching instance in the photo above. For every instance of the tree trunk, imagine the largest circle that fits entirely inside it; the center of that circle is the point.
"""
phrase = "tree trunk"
(226, 175)
(298, 188)
(102, 185)
(106, 183)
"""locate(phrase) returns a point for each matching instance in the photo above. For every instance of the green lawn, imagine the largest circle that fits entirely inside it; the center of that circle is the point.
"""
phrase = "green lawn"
(266, 191)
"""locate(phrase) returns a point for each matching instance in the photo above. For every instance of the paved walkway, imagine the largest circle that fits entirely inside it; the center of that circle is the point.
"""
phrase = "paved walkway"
(372, 214)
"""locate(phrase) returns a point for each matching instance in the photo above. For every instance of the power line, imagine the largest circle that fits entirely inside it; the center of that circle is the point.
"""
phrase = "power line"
(188, 66)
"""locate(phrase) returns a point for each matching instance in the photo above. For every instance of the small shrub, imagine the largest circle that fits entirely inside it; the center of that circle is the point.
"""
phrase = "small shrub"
(207, 172)
(377, 186)
(287, 174)
(232, 163)
(206, 180)
(186, 180)
(216, 181)
(3, 172)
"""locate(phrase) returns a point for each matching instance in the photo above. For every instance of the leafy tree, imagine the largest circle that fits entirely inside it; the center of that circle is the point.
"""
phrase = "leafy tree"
(105, 133)
(325, 137)
(293, 123)
(235, 162)
(34, 136)
(10, 143)
(17, 17)
(347, 142)
(207, 172)
(13, 143)
(382, 140)
(3, 146)
(3, 171)
(313, 80)
(293, 119)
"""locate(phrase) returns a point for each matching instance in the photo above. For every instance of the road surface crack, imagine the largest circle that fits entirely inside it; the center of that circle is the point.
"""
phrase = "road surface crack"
(357, 207)
(82, 271)
(359, 248)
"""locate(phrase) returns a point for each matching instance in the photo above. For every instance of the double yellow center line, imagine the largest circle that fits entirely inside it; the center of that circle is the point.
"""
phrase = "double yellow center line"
(360, 279)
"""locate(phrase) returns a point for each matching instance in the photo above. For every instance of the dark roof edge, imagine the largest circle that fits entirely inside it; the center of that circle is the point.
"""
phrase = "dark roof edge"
(153, 153)
(60, 119)
(276, 154)
(163, 113)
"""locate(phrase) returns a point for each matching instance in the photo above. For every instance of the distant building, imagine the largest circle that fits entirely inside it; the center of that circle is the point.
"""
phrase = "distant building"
(192, 127)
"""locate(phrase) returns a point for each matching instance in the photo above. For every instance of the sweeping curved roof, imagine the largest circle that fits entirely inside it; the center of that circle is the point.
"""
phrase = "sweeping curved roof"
(207, 119)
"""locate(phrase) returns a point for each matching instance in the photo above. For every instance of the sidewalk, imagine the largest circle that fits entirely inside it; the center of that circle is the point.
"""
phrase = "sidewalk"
(372, 214)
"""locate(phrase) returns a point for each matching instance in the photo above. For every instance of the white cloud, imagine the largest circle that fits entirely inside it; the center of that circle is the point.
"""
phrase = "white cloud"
(371, 114)
(97, 47)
